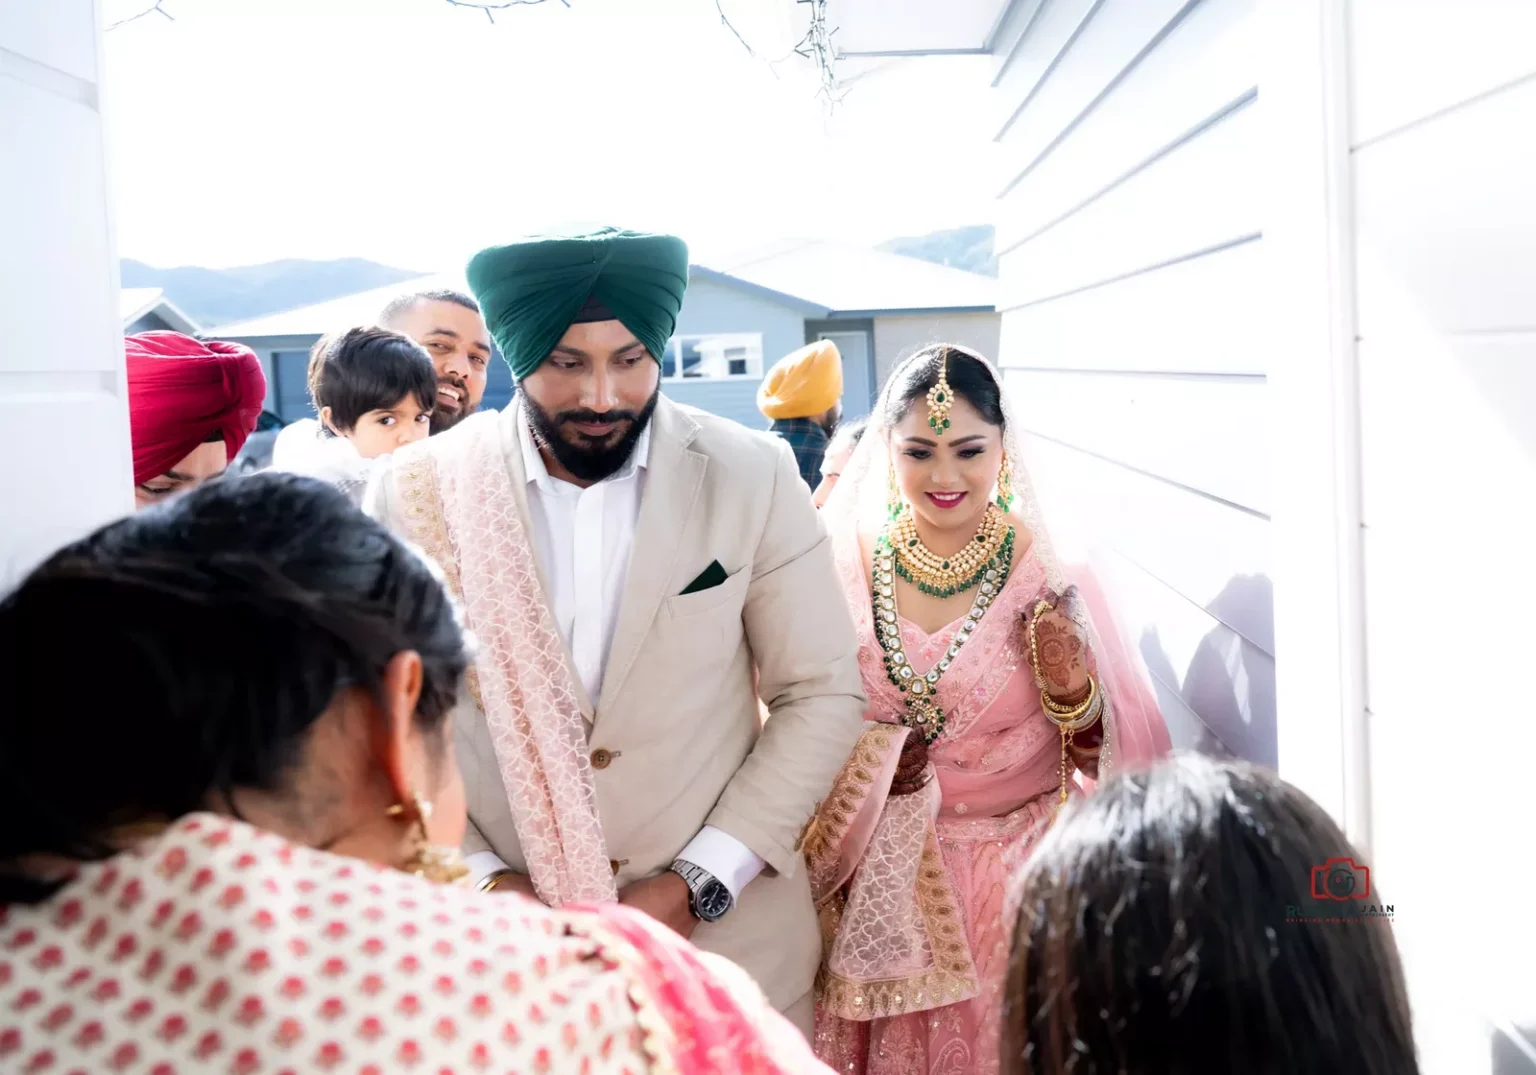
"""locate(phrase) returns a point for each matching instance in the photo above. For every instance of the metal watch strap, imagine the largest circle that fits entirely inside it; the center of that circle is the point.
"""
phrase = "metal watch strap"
(695, 877)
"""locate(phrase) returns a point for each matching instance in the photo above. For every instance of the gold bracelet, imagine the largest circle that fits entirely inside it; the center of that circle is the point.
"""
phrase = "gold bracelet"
(489, 882)
(1072, 712)
(1075, 718)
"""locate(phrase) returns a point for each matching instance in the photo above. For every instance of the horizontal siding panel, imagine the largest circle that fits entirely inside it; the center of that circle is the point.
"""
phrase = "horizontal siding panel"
(1036, 55)
(1227, 682)
(1412, 58)
(1433, 412)
(1110, 42)
(1205, 433)
(1216, 557)
(1018, 22)
(1446, 236)
(1205, 65)
(1203, 315)
(1202, 196)
(64, 37)
(1186, 731)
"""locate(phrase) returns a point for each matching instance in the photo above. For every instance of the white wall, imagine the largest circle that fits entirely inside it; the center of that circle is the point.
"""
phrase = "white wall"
(1400, 211)
(1444, 185)
(65, 461)
(1129, 253)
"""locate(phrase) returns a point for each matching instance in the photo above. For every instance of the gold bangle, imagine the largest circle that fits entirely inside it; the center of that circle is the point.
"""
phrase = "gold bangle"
(1072, 712)
(1078, 717)
(489, 882)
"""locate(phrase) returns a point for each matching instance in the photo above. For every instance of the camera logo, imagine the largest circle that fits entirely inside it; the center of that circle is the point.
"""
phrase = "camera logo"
(1341, 879)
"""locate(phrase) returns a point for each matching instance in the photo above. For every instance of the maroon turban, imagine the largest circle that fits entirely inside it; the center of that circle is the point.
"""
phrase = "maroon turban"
(182, 391)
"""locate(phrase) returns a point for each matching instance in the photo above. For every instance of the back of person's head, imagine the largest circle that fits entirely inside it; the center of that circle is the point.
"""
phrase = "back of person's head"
(183, 655)
(368, 369)
(1153, 938)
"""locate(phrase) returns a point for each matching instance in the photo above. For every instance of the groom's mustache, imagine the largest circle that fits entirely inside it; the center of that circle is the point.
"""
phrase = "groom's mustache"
(596, 418)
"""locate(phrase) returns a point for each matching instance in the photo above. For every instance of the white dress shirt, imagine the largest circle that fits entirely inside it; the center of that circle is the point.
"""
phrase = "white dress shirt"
(583, 539)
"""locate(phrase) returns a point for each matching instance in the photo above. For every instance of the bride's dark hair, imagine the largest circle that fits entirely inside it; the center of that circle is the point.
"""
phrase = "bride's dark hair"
(968, 376)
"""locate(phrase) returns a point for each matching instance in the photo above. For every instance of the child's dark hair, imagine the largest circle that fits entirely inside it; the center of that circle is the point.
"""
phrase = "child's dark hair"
(368, 369)
(967, 374)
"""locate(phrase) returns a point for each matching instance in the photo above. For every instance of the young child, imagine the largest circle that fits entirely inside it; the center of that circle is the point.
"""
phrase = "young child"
(374, 387)
(374, 391)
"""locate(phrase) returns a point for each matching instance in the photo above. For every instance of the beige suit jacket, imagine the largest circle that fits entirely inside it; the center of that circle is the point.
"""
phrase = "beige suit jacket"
(677, 736)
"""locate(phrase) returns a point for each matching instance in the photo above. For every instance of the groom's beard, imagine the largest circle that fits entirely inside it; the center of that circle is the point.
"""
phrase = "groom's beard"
(589, 459)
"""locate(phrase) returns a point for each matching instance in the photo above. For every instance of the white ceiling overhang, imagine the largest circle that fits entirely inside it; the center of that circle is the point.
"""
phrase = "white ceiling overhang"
(914, 27)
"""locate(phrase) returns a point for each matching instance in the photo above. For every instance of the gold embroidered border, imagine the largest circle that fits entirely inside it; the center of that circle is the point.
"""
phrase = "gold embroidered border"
(837, 811)
(861, 1001)
(427, 527)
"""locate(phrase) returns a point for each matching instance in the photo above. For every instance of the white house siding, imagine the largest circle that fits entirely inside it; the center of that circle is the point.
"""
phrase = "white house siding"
(1444, 169)
(67, 464)
(1128, 234)
(898, 336)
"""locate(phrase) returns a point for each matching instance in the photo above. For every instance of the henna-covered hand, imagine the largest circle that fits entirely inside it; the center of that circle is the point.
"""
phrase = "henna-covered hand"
(1059, 626)
(912, 768)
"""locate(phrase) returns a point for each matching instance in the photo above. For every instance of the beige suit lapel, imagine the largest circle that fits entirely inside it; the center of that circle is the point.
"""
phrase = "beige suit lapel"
(512, 451)
(673, 477)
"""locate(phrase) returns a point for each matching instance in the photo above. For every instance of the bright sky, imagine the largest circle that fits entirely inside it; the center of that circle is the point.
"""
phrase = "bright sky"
(414, 133)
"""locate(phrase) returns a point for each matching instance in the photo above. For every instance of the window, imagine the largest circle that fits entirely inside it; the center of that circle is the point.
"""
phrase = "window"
(719, 357)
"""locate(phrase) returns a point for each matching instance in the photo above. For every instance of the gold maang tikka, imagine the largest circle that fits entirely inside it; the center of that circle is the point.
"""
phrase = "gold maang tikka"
(940, 399)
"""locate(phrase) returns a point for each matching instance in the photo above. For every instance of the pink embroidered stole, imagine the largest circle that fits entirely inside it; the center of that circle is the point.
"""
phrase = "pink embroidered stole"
(460, 507)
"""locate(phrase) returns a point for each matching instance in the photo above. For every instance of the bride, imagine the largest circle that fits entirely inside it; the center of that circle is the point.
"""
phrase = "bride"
(990, 691)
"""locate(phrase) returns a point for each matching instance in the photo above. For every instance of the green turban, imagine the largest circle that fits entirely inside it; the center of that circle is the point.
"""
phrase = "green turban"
(531, 291)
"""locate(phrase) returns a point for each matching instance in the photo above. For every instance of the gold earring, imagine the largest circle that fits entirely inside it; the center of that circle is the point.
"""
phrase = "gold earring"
(441, 865)
(1005, 483)
(940, 399)
(893, 502)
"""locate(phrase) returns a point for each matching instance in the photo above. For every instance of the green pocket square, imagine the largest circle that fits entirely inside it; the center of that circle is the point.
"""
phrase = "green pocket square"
(712, 576)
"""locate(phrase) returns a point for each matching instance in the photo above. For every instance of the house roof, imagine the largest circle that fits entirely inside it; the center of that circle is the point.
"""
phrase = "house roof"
(359, 308)
(134, 302)
(817, 277)
(843, 279)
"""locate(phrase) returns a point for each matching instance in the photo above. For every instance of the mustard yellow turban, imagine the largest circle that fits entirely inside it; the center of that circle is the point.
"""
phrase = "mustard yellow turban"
(804, 383)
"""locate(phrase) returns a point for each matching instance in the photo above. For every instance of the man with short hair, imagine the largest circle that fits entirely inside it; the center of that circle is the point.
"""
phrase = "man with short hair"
(636, 575)
(445, 322)
(448, 324)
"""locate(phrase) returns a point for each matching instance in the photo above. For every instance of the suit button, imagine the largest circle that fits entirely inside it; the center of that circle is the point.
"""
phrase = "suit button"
(601, 758)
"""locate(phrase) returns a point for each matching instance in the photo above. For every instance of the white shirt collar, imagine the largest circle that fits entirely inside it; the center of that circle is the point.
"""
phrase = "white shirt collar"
(538, 474)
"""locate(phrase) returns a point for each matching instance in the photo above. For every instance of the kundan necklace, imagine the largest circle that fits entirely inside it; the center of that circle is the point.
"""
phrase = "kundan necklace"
(945, 576)
(923, 714)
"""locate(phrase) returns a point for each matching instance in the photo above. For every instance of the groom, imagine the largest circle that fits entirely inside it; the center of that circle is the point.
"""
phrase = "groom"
(637, 575)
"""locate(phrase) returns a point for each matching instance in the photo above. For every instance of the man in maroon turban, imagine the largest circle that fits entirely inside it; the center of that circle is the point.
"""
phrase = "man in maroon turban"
(191, 404)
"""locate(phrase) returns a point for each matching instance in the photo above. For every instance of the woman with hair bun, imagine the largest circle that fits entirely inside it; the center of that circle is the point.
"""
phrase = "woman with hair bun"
(232, 845)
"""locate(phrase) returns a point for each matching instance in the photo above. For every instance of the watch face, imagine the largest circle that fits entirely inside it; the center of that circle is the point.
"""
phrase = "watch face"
(712, 901)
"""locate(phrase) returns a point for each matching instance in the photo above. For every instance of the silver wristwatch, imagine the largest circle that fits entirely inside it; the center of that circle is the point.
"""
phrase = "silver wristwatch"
(708, 898)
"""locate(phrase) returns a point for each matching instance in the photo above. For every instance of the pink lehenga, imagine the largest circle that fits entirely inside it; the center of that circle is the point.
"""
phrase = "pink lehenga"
(912, 890)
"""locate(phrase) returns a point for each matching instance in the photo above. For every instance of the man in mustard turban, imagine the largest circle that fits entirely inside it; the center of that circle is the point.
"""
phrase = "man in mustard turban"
(802, 396)
(636, 575)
